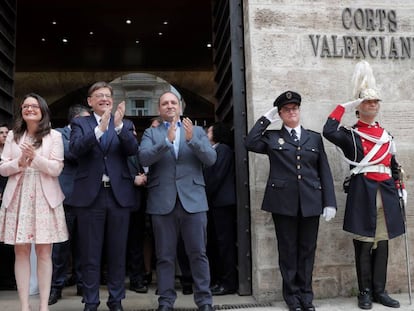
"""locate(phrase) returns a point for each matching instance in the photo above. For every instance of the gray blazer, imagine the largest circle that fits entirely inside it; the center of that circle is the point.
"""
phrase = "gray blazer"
(169, 176)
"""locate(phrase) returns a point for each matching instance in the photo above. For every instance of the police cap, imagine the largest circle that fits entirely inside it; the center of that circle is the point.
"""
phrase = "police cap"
(288, 97)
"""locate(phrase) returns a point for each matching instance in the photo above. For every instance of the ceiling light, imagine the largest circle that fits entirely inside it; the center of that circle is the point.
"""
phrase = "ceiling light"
(160, 33)
(43, 39)
(54, 23)
(165, 22)
(64, 40)
(209, 45)
(91, 33)
(136, 41)
(128, 21)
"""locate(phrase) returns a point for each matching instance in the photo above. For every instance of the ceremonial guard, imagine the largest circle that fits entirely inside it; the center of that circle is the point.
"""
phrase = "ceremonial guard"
(372, 211)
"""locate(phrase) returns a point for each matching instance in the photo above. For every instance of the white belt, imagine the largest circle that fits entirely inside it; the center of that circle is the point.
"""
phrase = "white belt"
(382, 169)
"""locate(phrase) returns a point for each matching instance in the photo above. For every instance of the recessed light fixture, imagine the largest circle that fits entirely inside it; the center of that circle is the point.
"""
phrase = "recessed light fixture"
(136, 41)
(160, 33)
(64, 40)
(209, 45)
(91, 33)
(43, 39)
(54, 23)
(128, 21)
(165, 22)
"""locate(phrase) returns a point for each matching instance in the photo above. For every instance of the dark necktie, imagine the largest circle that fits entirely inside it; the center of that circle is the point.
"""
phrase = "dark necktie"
(293, 134)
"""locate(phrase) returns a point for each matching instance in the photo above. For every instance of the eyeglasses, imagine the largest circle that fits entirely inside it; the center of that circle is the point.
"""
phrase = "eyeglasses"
(287, 110)
(34, 107)
(100, 96)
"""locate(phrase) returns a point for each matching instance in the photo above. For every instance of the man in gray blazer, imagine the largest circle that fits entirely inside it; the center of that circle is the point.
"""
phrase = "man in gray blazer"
(175, 153)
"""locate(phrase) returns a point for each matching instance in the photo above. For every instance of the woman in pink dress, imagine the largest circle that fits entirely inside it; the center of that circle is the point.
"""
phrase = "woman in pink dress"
(32, 210)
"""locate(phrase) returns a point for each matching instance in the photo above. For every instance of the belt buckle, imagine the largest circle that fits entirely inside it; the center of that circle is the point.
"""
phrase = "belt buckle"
(106, 184)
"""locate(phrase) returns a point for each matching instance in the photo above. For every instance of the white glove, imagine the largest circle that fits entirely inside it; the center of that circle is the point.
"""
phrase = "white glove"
(329, 213)
(404, 197)
(272, 115)
(349, 106)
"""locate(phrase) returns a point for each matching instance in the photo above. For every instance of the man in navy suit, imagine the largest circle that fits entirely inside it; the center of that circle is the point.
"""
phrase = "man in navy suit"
(175, 152)
(299, 189)
(105, 193)
(63, 252)
(222, 213)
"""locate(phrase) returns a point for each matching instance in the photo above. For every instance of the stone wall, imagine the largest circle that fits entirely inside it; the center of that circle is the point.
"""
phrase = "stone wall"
(283, 52)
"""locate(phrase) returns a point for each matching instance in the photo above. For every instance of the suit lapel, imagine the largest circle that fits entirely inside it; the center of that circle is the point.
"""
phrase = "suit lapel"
(111, 132)
(163, 130)
(304, 136)
(288, 138)
(66, 132)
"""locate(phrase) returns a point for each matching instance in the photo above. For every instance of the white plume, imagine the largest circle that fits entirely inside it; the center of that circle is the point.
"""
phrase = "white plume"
(363, 78)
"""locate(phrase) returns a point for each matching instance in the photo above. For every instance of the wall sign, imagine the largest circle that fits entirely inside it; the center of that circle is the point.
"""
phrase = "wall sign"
(372, 35)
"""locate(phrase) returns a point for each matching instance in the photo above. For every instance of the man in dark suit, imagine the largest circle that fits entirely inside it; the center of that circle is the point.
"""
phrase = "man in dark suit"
(175, 153)
(299, 189)
(222, 213)
(63, 252)
(105, 192)
(137, 230)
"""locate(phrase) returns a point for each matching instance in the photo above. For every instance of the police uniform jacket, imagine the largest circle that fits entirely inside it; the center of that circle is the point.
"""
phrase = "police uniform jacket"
(361, 208)
(299, 177)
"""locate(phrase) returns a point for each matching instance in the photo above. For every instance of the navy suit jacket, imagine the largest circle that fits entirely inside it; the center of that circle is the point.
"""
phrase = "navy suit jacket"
(220, 179)
(169, 176)
(93, 158)
(70, 164)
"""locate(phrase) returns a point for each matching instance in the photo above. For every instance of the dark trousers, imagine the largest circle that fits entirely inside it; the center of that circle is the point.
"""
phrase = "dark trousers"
(296, 240)
(135, 250)
(221, 246)
(193, 229)
(184, 264)
(104, 219)
(65, 253)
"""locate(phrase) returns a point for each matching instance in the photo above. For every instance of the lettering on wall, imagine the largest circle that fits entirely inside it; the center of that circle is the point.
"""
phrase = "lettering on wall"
(375, 37)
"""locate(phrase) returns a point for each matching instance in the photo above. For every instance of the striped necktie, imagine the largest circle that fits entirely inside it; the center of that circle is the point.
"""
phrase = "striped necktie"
(293, 134)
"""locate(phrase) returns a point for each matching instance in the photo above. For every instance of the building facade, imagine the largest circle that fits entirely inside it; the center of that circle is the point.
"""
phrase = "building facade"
(312, 47)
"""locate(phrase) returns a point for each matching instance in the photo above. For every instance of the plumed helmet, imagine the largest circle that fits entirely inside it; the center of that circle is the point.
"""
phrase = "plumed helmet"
(369, 94)
(363, 81)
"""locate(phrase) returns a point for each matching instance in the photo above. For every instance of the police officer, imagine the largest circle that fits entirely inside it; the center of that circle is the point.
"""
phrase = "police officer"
(299, 189)
(372, 210)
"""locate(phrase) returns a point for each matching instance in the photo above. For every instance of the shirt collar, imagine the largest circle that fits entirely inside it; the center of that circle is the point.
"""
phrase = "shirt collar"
(167, 124)
(297, 129)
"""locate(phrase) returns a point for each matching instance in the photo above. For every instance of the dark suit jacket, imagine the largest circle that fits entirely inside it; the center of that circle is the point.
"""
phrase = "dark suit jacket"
(220, 180)
(169, 176)
(135, 169)
(299, 177)
(93, 158)
(70, 164)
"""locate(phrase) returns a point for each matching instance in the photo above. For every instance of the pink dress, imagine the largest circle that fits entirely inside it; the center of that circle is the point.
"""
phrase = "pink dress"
(29, 218)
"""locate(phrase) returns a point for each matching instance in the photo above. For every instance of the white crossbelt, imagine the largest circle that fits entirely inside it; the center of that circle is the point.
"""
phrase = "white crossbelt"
(380, 168)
